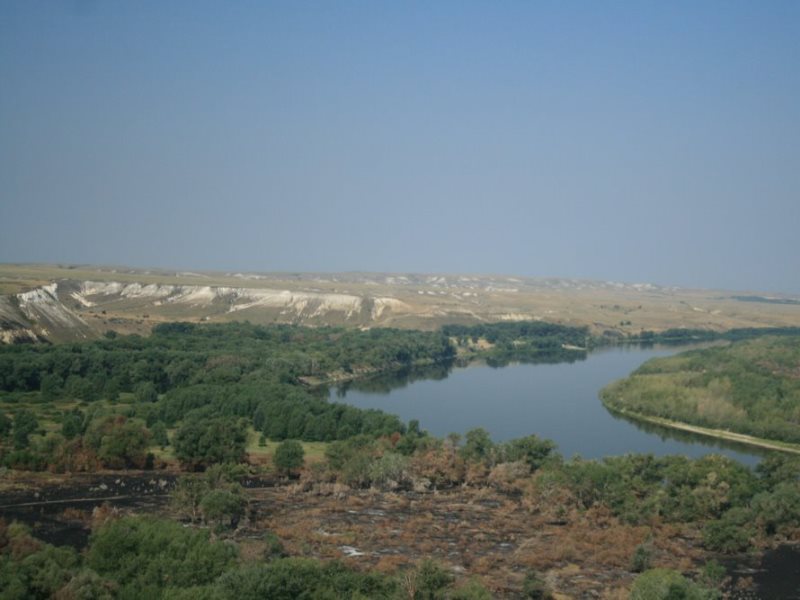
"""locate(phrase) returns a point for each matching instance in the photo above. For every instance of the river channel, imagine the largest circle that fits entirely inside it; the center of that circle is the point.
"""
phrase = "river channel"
(556, 401)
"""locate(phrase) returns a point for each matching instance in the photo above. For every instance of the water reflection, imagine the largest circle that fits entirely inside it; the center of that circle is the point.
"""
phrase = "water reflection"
(384, 383)
(687, 437)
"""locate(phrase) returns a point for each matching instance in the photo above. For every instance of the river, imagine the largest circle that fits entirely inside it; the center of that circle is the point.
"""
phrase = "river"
(555, 401)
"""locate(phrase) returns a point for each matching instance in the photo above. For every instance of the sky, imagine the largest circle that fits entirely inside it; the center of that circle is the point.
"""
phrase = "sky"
(631, 141)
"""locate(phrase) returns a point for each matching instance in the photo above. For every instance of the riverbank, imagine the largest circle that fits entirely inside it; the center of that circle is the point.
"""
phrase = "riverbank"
(720, 434)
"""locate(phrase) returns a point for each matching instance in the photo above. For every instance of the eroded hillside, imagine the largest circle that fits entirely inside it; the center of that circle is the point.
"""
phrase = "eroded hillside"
(61, 303)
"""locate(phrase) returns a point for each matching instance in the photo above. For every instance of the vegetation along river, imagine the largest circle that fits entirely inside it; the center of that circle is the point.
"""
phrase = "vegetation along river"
(556, 401)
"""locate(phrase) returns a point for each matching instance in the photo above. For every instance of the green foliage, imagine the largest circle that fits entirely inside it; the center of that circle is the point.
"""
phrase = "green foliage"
(72, 424)
(531, 449)
(535, 587)
(223, 504)
(200, 443)
(642, 487)
(159, 433)
(749, 387)
(471, 590)
(733, 532)
(778, 510)
(389, 468)
(146, 392)
(713, 574)
(525, 341)
(478, 445)
(25, 424)
(665, 584)
(88, 585)
(289, 456)
(145, 555)
(642, 558)
(301, 579)
(777, 468)
(50, 386)
(38, 571)
(432, 581)
(187, 495)
(119, 443)
(274, 547)
(5, 425)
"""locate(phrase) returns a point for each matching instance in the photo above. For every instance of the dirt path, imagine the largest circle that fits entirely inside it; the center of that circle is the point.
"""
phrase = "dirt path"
(715, 433)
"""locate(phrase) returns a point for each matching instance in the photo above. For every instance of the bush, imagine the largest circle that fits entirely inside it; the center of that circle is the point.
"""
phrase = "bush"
(301, 579)
(535, 587)
(390, 469)
(778, 511)
(274, 547)
(731, 533)
(641, 559)
(666, 584)
(145, 555)
(431, 581)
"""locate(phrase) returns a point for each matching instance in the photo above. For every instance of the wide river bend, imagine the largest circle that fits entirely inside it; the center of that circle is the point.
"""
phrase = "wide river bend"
(555, 401)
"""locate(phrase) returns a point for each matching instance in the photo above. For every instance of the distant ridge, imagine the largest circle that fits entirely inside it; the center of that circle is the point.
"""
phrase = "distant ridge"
(73, 302)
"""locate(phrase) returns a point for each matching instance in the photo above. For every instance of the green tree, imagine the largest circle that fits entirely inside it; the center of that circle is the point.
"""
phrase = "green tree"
(201, 442)
(119, 443)
(187, 495)
(219, 505)
(50, 386)
(25, 424)
(478, 445)
(289, 456)
(72, 424)
(146, 392)
(531, 449)
(159, 432)
(432, 580)
(733, 532)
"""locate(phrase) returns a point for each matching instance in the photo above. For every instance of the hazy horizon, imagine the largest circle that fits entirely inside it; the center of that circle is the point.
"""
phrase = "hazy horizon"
(613, 142)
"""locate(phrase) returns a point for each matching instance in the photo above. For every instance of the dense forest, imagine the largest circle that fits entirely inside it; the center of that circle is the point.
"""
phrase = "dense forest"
(199, 387)
(750, 387)
(525, 341)
(680, 335)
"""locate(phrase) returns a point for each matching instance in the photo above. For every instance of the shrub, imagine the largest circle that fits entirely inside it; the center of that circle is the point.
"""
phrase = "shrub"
(731, 533)
(535, 587)
(641, 559)
(666, 584)
(145, 555)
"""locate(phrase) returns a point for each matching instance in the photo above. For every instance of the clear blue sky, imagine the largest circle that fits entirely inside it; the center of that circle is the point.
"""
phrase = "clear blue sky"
(633, 141)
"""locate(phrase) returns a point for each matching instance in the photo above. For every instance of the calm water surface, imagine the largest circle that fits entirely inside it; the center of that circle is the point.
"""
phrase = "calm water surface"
(555, 401)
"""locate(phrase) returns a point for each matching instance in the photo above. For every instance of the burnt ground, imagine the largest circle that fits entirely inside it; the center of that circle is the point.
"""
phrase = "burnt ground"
(58, 508)
(481, 532)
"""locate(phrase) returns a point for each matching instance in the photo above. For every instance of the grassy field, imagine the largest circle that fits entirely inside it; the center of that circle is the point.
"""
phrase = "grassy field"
(257, 453)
